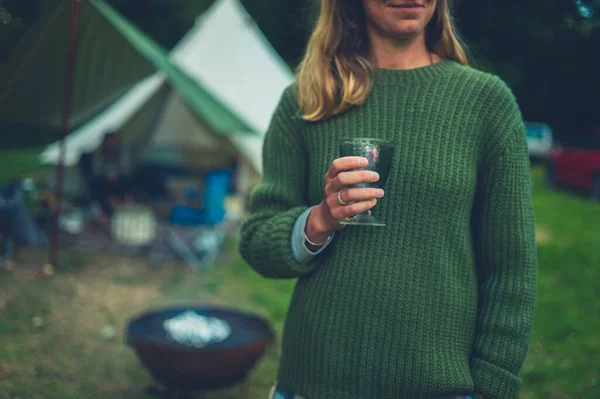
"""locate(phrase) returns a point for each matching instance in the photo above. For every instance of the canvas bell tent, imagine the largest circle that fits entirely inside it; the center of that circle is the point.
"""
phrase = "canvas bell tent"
(207, 105)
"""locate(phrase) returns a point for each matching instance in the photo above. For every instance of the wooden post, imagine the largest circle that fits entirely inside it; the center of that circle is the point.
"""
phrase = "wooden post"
(68, 94)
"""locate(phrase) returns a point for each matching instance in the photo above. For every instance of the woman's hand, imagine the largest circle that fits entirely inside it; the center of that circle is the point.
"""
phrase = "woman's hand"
(325, 218)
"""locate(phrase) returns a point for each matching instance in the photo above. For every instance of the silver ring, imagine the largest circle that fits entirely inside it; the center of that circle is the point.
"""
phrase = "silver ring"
(340, 197)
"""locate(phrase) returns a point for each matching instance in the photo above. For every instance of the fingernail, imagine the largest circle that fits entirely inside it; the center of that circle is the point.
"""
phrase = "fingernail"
(374, 176)
(380, 193)
(364, 161)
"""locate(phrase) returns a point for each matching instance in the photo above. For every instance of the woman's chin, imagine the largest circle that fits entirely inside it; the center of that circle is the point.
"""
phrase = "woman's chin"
(407, 30)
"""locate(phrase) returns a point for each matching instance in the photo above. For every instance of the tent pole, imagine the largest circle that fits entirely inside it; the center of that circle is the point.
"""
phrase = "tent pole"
(68, 94)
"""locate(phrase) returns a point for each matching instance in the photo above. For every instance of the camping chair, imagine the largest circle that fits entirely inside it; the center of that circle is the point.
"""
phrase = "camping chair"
(195, 235)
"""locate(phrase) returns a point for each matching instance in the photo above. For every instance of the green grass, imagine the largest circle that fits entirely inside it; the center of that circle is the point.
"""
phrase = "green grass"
(66, 358)
(564, 356)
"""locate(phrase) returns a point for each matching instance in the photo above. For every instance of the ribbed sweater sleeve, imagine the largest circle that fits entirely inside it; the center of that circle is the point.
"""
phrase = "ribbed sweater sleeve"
(505, 250)
(279, 199)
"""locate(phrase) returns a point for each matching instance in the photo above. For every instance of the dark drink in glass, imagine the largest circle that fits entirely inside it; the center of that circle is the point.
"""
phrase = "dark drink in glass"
(379, 154)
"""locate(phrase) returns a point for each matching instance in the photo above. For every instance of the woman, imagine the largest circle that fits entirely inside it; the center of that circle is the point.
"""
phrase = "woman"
(439, 303)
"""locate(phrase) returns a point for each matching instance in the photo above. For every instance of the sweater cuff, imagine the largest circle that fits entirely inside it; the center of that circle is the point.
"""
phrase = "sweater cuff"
(494, 382)
(301, 253)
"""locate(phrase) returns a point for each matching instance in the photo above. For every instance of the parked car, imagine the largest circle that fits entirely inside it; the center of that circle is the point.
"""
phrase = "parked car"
(539, 139)
(576, 165)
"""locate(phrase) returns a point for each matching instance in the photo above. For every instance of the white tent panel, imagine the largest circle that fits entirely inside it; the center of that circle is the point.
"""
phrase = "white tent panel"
(251, 149)
(229, 55)
(89, 137)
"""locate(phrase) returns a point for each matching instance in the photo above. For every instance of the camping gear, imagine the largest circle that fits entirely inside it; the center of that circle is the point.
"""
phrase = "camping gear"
(217, 186)
(183, 367)
(196, 234)
(183, 215)
(134, 225)
(213, 202)
(72, 221)
(198, 246)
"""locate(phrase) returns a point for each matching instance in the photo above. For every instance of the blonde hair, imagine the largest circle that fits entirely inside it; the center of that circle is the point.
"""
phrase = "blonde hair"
(335, 73)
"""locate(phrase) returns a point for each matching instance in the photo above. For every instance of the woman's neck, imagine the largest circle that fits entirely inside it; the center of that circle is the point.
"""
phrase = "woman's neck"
(393, 54)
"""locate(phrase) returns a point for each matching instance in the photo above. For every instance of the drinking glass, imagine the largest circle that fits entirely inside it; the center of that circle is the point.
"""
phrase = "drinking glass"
(379, 153)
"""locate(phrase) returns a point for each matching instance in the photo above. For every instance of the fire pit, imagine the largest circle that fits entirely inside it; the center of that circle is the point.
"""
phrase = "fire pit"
(190, 349)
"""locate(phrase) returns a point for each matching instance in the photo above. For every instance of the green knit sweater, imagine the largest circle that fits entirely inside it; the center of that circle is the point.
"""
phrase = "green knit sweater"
(441, 300)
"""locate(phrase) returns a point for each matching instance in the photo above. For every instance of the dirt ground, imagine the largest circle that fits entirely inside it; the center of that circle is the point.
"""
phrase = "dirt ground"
(63, 335)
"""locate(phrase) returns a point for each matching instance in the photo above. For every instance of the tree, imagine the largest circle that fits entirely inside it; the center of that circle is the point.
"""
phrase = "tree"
(15, 17)
(546, 51)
